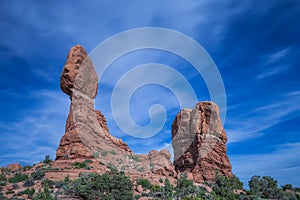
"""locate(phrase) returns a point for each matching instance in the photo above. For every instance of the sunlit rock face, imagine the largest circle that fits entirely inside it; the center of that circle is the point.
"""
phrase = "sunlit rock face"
(86, 131)
(199, 143)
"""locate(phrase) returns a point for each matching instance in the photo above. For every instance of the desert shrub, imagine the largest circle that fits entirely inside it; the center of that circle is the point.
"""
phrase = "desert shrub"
(167, 189)
(18, 177)
(110, 185)
(1, 196)
(47, 160)
(48, 182)
(265, 187)
(225, 186)
(15, 186)
(103, 153)
(184, 187)
(59, 184)
(43, 195)
(135, 158)
(80, 165)
(10, 192)
(113, 152)
(28, 183)
(255, 185)
(155, 188)
(111, 166)
(88, 167)
(37, 175)
(96, 155)
(29, 191)
(119, 160)
(67, 179)
(287, 187)
(145, 183)
(3, 180)
(27, 167)
(151, 166)
(268, 187)
(141, 169)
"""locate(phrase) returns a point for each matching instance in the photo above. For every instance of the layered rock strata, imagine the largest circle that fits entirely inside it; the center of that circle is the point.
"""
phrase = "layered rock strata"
(199, 143)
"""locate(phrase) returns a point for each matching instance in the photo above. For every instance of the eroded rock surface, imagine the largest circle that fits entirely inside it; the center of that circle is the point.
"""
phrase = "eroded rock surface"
(199, 143)
(86, 132)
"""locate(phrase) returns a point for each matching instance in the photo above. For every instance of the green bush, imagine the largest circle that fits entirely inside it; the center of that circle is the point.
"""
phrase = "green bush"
(255, 185)
(111, 166)
(108, 186)
(266, 187)
(96, 155)
(113, 152)
(141, 169)
(103, 153)
(167, 189)
(155, 188)
(10, 192)
(151, 166)
(184, 187)
(135, 158)
(119, 160)
(28, 183)
(287, 187)
(3, 180)
(48, 183)
(37, 175)
(15, 186)
(18, 177)
(29, 191)
(27, 167)
(60, 184)
(225, 186)
(47, 160)
(80, 165)
(145, 183)
(43, 195)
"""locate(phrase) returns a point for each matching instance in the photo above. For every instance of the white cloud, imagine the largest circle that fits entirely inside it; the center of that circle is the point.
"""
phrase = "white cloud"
(37, 131)
(253, 123)
(271, 64)
(283, 164)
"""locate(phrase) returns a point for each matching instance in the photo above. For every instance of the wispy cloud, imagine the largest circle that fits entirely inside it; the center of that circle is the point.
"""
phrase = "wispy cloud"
(283, 164)
(273, 63)
(252, 124)
(36, 132)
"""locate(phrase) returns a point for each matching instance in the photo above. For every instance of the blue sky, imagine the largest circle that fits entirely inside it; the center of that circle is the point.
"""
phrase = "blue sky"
(255, 45)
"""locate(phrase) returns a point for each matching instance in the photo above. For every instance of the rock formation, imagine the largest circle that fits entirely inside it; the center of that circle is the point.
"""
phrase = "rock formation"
(86, 131)
(198, 135)
(199, 143)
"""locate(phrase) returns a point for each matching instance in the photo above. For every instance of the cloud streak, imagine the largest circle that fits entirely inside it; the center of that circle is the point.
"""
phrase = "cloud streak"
(36, 132)
(282, 164)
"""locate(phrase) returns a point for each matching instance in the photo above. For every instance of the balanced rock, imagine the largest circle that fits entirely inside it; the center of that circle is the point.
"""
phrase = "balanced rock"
(86, 132)
(199, 143)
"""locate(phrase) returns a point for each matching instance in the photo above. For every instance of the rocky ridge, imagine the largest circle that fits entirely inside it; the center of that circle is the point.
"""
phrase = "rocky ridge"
(87, 135)
(198, 138)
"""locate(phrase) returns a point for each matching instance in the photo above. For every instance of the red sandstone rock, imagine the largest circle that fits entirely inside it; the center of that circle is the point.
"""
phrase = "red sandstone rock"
(102, 122)
(199, 142)
(14, 167)
(76, 57)
(86, 131)
(139, 189)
